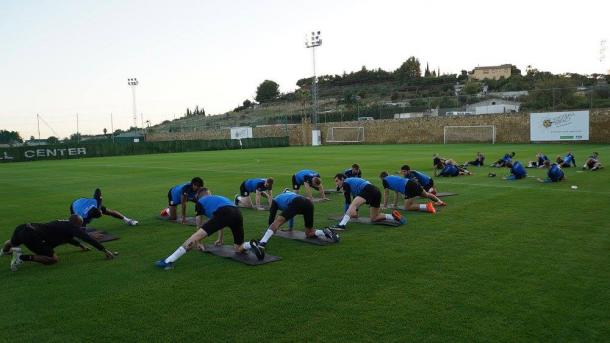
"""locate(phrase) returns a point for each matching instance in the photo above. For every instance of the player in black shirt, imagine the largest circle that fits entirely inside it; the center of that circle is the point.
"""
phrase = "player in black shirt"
(41, 239)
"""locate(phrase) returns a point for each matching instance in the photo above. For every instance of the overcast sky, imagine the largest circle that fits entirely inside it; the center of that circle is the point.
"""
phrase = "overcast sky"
(59, 58)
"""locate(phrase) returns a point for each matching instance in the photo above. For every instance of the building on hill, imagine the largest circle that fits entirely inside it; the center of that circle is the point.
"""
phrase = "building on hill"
(491, 72)
(129, 137)
(35, 142)
(493, 106)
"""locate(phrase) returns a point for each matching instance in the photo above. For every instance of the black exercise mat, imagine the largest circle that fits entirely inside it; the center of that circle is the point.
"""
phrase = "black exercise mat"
(315, 200)
(367, 220)
(262, 208)
(249, 258)
(190, 221)
(105, 236)
(300, 236)
(444, 194)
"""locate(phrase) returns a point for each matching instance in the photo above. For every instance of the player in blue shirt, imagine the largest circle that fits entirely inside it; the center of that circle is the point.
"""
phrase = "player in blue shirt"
(354, 171)
(259, 187)
(539, 162)
(567, 161)
(411, 189)
(310, 179)
(292, 204)
(363, 192)
(592, 163)
(180, 195)
(517, 171)
(508, 157)
(424, 180)
(222, 213)
(451, 169)
(91, 208)
(479, 160)
(555, 174)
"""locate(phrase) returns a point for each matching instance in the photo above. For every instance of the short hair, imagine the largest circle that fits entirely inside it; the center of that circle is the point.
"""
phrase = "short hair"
(547, 163)
(340, 176)
(383, 174)
(197, 181)
(270, 181)
(95, 212)
(76, 220)
(203, 192)
(316, 181)
(405, 167)
(355, 166)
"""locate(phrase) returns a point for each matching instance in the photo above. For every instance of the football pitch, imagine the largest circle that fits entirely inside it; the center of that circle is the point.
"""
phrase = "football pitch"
(504, 261)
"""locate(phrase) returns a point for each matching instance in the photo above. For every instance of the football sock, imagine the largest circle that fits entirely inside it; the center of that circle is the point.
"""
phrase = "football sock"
(247, 246)
(266, 236)
(176, 255)
(388, 217)
(423, 208)
(344, 220)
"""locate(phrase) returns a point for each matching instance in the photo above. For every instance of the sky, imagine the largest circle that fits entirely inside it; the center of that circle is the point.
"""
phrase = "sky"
(63, 58)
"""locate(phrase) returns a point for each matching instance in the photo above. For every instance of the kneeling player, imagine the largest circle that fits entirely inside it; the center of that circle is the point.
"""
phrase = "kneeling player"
(90, 209)
(517, 171)
(363, 192)
(292, 204)
(41, 239)
(555, 174)
(592, 163)
(259, 187)
(310, 179)
(424, 180)
(222, 213)
(180, 195)
(411, 189)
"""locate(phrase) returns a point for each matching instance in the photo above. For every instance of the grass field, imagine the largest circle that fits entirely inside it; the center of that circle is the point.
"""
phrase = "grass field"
(504, 261)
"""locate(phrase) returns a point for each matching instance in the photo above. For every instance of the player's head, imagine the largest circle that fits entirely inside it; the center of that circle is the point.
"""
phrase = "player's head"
(203, 192)
(269, 183)
(316, 181)
(339, 178)
(355, 168)
(383, 175)
(509, 164)
(405, 170)
(512, 154)
(547, 163)
(94, 213)
(76, 220)
(196, 183)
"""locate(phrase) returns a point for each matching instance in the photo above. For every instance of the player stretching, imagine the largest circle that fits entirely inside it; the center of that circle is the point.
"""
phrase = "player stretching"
(411, 189)
(517, 171)
(363, 192)
(592, 163)
(180, 195)
(310, 179)
(259, 187)
(555, 174)
(424, 180)
(90, 209)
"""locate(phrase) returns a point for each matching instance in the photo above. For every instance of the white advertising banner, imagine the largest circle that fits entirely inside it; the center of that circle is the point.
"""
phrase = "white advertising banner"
(241, 132)
(559, 126)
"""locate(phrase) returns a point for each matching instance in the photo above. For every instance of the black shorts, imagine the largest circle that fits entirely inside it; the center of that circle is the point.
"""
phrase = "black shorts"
(242, 190)
(226, 216)
(26, 235)
(295, 186)
(372, 195)
(429, 186)
(300, 205)
(412, 190)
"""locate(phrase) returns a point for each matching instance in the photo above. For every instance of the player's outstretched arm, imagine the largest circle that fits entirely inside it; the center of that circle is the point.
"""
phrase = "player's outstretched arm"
(221, 237)
(183, 208)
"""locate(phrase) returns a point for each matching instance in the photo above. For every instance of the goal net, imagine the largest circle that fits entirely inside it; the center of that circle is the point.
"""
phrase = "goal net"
(469, 134)
(345, 135)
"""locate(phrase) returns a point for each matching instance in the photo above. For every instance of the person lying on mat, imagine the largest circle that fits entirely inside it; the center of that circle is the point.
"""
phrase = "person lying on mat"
(555, 174)
(41, 240)
(222, 213)
(363, 192)
(424, 180)
(180, 195)
(91, 208)
(292, 204)
(517, 171)
(452, 169)
(261, 187)
(411, 189)
(310, 179)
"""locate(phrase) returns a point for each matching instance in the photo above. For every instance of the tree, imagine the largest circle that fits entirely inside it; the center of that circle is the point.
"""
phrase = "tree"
(409, 70)
(53, 140)
(267, 91)
(10, 137)
(105, 131)
(427, 72)
(472, 87)
(247, 103)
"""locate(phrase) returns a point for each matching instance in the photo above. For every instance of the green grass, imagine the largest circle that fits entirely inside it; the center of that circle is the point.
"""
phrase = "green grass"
(505, 261)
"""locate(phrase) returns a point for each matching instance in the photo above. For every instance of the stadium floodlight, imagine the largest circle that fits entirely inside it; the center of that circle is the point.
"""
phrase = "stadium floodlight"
(133, 82)
(313, 41)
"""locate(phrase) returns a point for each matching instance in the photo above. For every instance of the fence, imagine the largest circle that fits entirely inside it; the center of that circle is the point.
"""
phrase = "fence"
(69, 151)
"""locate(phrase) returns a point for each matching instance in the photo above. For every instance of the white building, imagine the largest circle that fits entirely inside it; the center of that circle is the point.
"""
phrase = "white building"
(492, 106)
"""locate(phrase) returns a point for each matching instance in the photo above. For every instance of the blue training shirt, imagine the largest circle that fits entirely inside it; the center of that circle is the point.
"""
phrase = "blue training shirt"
(349, 173)
(423, 179)
(183, 188)
(305, 175)
(252, 185)
(209, 204)
(82, 206)
(518, 170)
(395, 183)
(356, 185)
(450, 170)
(283, 200)
(555, 173)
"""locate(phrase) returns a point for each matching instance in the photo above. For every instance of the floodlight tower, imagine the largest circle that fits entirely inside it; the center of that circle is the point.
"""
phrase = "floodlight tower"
(312, 42)
(133, 82)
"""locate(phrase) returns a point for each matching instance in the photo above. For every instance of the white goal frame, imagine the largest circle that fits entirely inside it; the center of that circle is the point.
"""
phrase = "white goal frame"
(493, 131)
(330, 137)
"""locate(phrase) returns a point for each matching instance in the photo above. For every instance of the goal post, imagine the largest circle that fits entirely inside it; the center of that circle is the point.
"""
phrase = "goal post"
(469, 134)
(345, 134)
